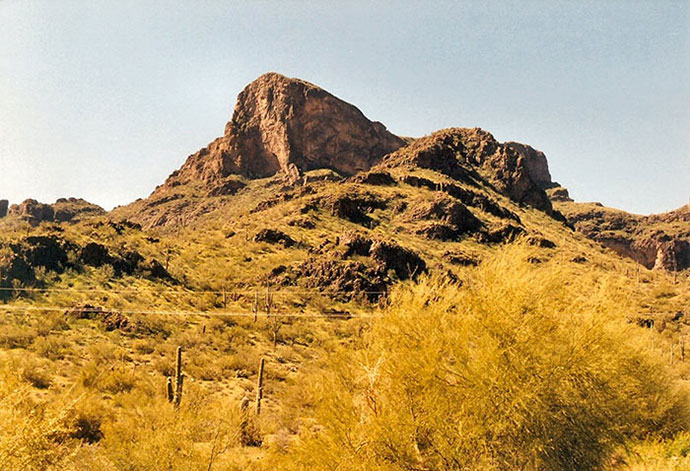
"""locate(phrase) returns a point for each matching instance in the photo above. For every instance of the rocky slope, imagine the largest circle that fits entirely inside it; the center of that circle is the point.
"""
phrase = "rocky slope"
(283, 127)
(659, 241)
(475, 157)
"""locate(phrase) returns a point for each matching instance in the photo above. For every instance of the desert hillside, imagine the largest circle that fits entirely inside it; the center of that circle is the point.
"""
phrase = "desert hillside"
(311, 291)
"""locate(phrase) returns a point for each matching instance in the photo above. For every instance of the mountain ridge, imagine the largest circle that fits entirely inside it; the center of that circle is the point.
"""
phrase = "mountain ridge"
(286, 135)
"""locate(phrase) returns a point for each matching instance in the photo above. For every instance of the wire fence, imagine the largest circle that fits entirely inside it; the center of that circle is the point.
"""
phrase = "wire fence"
(336, 315)
(255, 294)
(187, 291)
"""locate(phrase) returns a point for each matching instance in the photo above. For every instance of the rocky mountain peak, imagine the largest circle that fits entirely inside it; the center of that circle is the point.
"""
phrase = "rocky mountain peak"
(287, 125)
(514, 169)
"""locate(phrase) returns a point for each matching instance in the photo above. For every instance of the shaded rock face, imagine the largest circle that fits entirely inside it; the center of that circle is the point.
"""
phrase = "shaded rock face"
(72, 209)
(14, 268)
(388, 255)
(345, 279)
(94, 254)
(405, 263)
(289, 126)
(3, 208)
(454, 219)
(33, 211)
(375, 178)
(473, 156)
(48, 252)
(535, 163)
(353, 207)
(63, 210)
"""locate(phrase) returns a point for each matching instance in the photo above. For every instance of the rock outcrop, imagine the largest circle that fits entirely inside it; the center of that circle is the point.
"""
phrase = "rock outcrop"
(74, 209)
(289, 126)
(659, 241)
(33, 211)
(475, 157)
(3, 208)
(63, 210)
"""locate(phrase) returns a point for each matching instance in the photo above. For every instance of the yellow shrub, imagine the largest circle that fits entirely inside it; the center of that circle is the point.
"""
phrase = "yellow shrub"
(33, 437)
(521, 367)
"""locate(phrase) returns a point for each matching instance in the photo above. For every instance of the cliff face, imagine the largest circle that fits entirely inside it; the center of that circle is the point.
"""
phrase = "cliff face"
(287, 125)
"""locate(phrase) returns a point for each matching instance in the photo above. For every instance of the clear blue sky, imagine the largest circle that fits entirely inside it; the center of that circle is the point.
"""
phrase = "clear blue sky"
(103, 99)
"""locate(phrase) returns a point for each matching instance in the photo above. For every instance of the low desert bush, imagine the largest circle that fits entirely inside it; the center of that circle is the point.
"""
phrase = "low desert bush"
(148, 434)
(51, 347)
(33, 436)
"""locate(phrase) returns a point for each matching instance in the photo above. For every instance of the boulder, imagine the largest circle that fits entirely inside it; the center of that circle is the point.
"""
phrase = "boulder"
(404, 262)
(273, 236)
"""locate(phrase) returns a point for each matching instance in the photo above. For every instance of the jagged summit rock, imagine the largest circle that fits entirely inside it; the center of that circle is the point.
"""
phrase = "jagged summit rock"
(472, 154)
(287, 125)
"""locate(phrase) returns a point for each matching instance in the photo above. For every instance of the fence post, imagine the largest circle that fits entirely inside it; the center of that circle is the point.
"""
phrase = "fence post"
(260, 387)
(179, 378)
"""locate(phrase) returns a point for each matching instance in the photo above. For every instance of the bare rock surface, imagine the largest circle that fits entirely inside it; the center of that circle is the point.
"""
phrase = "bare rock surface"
(33, 211)
(290, 126)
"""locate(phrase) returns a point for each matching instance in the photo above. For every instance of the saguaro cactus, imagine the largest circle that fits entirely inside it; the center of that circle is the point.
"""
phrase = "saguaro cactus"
(169, 389)
(269, 301)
